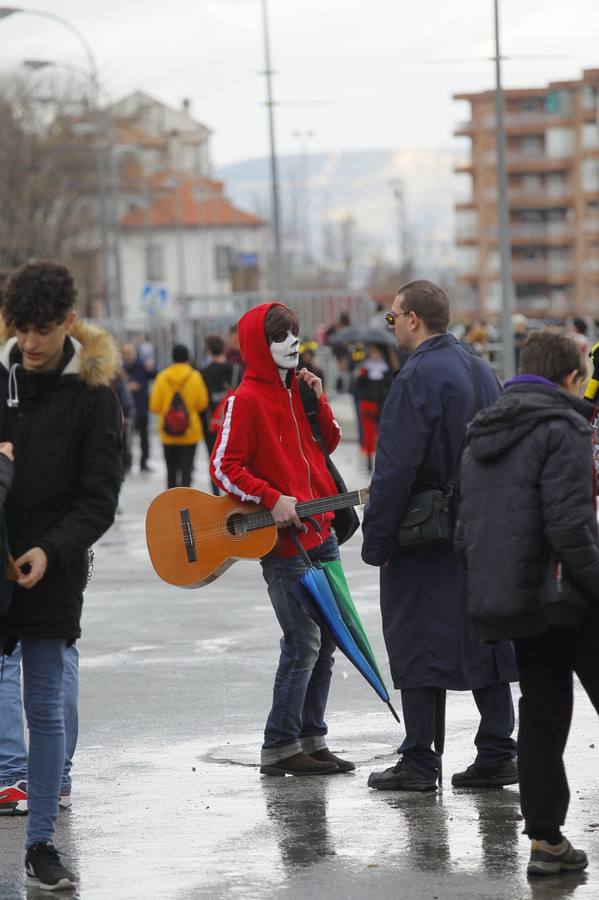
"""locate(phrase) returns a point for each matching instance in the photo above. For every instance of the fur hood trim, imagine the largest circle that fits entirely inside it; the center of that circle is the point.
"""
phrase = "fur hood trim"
(96, 359)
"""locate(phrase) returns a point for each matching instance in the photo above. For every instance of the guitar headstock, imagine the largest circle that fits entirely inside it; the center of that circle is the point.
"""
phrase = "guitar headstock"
(363, 495)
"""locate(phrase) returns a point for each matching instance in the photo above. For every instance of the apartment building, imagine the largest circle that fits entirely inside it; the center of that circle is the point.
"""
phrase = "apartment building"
(552, 136)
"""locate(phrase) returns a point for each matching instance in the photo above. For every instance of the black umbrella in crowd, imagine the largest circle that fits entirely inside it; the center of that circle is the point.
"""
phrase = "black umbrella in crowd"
(362, 334)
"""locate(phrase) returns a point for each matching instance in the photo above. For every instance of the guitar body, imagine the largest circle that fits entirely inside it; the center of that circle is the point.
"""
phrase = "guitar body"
(191, 536)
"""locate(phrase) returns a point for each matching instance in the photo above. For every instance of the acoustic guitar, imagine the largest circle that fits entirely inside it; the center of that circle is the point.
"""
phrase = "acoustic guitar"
(194, 537)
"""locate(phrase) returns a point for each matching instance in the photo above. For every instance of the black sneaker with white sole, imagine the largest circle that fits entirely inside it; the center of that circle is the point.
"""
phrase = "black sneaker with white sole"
(44, 869)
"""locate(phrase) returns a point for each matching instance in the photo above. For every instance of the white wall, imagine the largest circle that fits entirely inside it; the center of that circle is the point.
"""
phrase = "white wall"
(199, 257)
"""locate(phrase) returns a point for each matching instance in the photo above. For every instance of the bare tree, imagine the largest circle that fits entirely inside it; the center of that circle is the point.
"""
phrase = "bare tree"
(47, 183)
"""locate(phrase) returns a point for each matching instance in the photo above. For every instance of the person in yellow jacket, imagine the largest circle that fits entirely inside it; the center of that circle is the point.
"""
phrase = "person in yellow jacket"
(179, 394)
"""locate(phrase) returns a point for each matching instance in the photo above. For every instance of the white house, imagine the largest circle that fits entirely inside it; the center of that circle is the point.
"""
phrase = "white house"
(179, 236)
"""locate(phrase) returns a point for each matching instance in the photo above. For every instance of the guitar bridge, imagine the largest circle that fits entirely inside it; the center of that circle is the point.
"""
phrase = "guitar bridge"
(188, 540)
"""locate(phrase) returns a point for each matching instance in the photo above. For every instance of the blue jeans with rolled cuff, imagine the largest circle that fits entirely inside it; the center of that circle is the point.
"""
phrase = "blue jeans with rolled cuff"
(13, 748)
(301, 688)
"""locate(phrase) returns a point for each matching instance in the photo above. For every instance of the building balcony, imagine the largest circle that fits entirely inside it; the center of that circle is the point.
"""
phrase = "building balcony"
(467, 234)
(552, 234)
(521, 198)
(464, 128)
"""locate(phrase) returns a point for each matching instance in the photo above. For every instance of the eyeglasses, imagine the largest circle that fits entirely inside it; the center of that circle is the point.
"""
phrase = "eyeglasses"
(391, 317)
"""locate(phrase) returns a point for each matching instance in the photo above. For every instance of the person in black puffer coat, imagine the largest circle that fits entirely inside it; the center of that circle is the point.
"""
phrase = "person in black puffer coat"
(58, 410)
(527, 532)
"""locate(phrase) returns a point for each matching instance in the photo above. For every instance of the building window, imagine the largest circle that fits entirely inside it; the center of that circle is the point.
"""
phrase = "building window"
(589, 96)
(154, 262)
(590, 175)
(223, 257)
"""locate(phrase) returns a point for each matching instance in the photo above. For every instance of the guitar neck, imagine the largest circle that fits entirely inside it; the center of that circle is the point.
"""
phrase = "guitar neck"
(309, 508)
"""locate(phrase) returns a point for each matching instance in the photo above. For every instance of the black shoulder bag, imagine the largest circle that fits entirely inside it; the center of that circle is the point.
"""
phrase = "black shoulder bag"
(428, 520)
(346, 521)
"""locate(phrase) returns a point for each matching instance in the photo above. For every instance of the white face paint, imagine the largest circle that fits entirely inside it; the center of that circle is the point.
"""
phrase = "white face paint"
(286, 353)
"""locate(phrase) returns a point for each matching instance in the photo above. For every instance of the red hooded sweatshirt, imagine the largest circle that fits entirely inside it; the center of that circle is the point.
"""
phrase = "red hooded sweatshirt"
(265, 446)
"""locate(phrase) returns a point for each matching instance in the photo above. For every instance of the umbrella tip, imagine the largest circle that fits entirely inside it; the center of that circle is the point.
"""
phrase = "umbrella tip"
(394, 714)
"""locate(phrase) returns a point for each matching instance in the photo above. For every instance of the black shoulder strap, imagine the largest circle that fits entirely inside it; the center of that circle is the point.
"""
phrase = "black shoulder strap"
(310, 404)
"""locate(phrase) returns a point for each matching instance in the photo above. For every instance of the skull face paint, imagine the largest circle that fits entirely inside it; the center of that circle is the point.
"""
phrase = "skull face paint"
(286, 352)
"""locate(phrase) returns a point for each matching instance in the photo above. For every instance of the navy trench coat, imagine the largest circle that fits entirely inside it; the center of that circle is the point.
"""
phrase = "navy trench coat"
(424, 602)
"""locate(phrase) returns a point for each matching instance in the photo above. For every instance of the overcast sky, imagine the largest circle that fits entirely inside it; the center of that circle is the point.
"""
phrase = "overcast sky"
(357, 73)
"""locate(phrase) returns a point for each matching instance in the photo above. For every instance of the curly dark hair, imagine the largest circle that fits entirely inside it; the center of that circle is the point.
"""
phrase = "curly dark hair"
(38, 293)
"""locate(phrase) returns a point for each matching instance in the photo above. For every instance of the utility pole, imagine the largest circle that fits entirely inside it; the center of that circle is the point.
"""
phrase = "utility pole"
(507, 295)
(304, 194)
(276, 204)
(397, 186)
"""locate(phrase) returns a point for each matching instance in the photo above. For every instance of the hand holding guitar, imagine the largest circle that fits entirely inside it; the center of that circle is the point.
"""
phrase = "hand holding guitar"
(284, 514)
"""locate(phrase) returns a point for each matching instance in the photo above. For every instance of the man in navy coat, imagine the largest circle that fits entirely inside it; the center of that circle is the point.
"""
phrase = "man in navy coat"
(423, 591)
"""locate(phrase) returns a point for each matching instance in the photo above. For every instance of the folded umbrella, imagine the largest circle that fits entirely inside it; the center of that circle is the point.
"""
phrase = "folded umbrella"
(315, 593)
(336, 578)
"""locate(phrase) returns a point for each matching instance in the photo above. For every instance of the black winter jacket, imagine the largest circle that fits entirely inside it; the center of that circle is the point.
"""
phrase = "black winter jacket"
(66, 433)
(527, 529)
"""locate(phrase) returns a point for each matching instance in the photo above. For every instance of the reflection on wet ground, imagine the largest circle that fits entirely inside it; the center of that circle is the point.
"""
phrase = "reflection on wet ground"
(168, 801)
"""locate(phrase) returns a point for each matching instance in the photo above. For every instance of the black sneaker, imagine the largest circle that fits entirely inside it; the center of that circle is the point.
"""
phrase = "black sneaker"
(503, 773)
(45, 870)
(551, 859)
(402, 777)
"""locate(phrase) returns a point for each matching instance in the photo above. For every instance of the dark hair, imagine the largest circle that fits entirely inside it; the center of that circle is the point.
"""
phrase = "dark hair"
(279, 321)
(215, 344)
(551, 355)
(580, 325)
(429, 302)
(180, 353)
(38, 293)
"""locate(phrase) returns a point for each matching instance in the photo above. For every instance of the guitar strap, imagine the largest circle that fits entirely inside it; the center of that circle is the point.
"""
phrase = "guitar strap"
(346, 521)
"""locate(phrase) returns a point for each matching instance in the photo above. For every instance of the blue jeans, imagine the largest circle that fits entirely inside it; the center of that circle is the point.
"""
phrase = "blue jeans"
(43, 670)
(301, 689)
(13, 749)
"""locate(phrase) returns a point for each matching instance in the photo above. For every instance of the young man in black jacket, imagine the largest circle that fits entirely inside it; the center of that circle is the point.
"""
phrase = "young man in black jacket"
(58, 410)
(528, 532)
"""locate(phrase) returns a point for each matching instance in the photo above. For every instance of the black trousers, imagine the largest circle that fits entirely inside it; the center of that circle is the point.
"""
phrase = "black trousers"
(210, 439)
(547, 663)
(493, 740)
(179, 464)
(141, 426)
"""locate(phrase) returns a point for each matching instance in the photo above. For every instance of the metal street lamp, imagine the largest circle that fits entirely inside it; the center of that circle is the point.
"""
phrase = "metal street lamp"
(507, 303)
(5, 12)
(276, 203)
(304, 193)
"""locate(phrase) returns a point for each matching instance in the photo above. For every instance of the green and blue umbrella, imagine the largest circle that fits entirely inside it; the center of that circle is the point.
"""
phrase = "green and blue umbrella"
(324, 593)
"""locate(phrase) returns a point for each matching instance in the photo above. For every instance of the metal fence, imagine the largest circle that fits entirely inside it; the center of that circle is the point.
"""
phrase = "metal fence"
(201, 316)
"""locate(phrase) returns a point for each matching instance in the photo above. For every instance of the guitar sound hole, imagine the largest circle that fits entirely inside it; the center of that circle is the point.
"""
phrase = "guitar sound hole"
(236, 525)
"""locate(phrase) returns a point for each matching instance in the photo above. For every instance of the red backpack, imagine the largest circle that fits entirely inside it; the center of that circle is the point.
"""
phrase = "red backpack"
(176, 418)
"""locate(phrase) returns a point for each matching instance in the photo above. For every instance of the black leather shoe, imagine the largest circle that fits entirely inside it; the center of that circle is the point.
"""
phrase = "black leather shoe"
(300, 764)
(503, 773)
(402, 777)
(325, 755)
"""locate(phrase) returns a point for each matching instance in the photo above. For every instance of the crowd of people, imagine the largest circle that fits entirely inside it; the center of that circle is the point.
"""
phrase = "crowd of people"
(514, 597)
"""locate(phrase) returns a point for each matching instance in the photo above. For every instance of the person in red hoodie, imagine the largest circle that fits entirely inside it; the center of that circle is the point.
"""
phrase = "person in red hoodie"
(265, 453)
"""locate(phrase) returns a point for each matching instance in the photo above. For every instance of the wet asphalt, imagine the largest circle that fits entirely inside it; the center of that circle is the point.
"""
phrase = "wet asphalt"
(168, 800)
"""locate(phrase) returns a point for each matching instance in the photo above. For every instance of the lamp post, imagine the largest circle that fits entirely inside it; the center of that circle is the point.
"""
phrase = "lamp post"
(509, 360)
(397, 186)
(5, 12)
(304, 193)
(276, 203)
